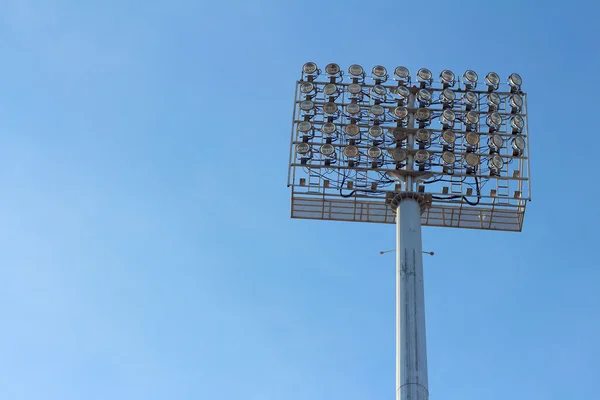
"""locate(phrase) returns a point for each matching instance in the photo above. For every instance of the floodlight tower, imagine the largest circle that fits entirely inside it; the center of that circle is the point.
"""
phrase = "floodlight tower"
(365, 148)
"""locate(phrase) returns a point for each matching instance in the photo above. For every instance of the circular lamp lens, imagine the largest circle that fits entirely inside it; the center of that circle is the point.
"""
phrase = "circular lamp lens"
(307, 105)
(401, 72)
(448, 117)
(448, 96)
(470, 98)
(352, 108)
(330, 89)
(424, 75)
(496, 162)
(493, 100)
(379, 90)
(356, 70)
(449, 136)
(472, 138)
(448, 157)
(327, 149)
(496, 141)
(332, 69)
(351, 151)
(398, 154)
(472, 159)
(375, 131)
(379, 71)
(354, 88)
(374, 152)
(328, 128)
(403, 92)
(304, 126)
(401, 112)
(492, 79)
(307, 87)
(352, 130)
(424, 95)
(302, 148)
(377, 110)
(422, 155)
(423, 135)
(309, 68)
(516, 101)
(330, 108)
(518, 143)
(514, 80)
(447, 76)
(517, 122)
(423, 114)
(494, 120)
(470, 77)
(471, 118)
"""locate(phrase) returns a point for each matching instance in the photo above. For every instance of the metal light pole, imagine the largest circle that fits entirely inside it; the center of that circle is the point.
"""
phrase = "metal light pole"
(410, 155)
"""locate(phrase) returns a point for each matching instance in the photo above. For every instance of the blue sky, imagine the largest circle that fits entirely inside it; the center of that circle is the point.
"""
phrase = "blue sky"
(146, 249)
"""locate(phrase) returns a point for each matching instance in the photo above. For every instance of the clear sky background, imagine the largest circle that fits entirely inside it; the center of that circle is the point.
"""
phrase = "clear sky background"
(146, 249)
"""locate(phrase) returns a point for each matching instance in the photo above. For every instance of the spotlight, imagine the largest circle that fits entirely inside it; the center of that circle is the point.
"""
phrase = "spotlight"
(494, 120)
(380, 73)
(398, 154)
(354, 88)
(327, 149)
(403, 92)
(449, 136)
(302, 148)
(422, 156)
(515, 82)
(307, 105)
(351, 151)
(471, 159)
(448, 157)
(304, 126)
(492, 80)
(424, 96)
(470, 79)
(424, 76)
(516, 102)
(352, 108)
(379, 90)
(402, 73)
(352, 130)
(447, 77)
(470, 99)
(356, 71)
(375, 131)
(448, 117)
(471, 118)
(307, 87)
(423, 135)
(496, 142)
(330, 108)
(518, 145)
(472, 138)
(447, 96)
(423, 114)
(496, 162)
(330, 89)
(374, 152)
(517, 123)
(332, 69)
(377, 110)
(328, 128)
(401, 112)
(310, 68)
(493, 101)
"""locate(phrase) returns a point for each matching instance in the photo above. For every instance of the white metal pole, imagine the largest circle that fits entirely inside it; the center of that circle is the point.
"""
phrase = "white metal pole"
(411, 351)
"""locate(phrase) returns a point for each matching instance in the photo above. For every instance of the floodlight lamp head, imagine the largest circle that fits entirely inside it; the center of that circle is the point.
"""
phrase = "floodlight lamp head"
(327, 149)
(310, 69)
(403, 92)
(423, 114)
(447, 78)
(424, 96)
(351, 151)
(356, 71)
(333, 69)
(328, 128)
(401, 74)
(493, 101)
(379, 73)
(447, 96)
(470, 99)
(302, 148)
(469, 78)
(425, 76)
(515, 81)
(492, 80)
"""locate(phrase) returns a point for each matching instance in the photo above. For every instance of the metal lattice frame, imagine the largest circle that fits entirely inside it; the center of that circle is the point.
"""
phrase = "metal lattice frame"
(333, 188)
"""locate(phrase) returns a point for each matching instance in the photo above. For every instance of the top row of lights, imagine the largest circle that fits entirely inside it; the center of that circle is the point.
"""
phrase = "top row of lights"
(424, 76)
